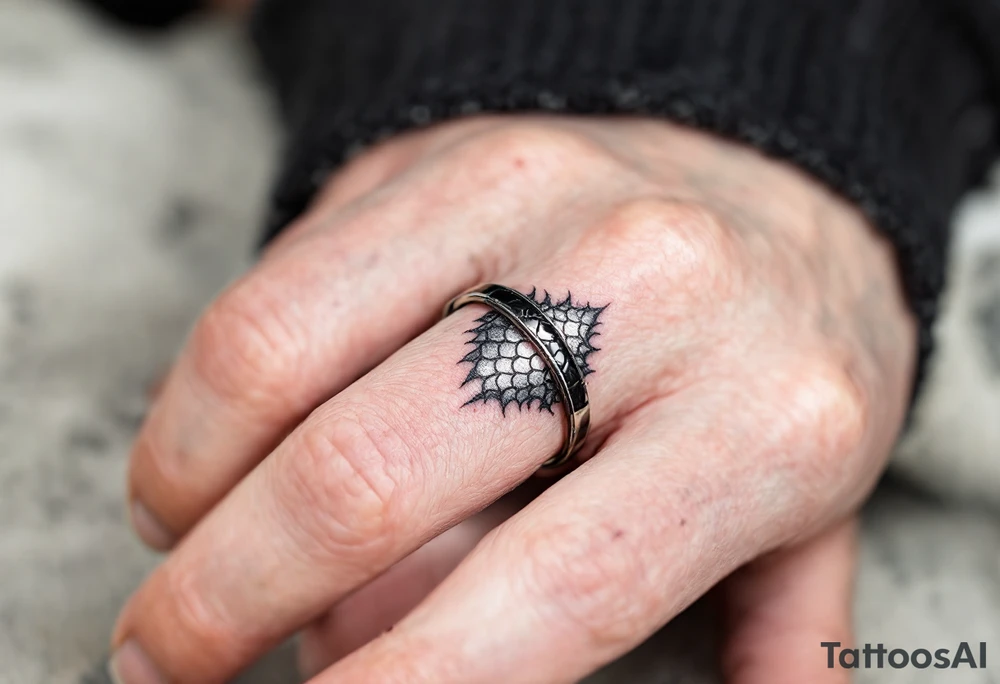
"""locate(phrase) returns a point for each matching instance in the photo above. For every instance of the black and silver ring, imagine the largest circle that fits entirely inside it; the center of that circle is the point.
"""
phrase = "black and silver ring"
(545, 336)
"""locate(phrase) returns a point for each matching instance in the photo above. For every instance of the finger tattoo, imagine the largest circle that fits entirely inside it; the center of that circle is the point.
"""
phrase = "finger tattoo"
(507, 369)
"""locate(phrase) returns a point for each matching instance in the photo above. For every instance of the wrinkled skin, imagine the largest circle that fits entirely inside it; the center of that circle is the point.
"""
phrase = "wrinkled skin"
(754, 368)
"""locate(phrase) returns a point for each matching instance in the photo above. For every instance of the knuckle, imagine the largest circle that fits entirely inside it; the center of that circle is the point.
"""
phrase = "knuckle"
(200, 619)
(697, 246)
(538, 150)
(593, 580)
(833, 408)
(245, 349)
(337, 491)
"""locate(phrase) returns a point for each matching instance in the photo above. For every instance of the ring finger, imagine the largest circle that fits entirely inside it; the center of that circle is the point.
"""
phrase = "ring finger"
(415, 446)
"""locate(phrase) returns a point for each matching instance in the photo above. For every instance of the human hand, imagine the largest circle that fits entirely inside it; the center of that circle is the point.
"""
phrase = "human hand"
(753, 370)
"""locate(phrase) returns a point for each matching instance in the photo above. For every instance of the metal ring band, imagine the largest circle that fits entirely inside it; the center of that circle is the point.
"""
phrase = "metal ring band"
(547, 339)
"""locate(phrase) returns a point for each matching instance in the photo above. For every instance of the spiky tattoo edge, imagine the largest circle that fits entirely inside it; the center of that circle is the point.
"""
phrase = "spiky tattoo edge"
(508, 366)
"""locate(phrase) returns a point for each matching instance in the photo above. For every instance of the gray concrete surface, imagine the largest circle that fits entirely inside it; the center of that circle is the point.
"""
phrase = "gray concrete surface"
(132, 175)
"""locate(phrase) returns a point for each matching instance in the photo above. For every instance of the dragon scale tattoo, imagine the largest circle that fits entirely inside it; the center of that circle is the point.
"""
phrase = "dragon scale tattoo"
(507, 369)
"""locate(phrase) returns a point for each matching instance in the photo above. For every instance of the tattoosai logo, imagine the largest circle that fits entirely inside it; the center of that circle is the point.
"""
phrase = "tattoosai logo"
(878, 657)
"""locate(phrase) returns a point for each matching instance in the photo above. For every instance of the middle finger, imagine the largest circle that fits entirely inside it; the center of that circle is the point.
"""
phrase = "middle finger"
(389, 463)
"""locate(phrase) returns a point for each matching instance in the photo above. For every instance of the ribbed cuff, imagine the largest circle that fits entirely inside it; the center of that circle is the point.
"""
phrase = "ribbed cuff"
(891, 103)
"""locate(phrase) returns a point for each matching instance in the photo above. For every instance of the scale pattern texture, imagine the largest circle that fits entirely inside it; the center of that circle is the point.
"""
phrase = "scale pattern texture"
(507, 369)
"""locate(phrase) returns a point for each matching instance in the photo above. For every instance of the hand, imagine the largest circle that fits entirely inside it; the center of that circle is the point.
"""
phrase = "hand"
(754, 365)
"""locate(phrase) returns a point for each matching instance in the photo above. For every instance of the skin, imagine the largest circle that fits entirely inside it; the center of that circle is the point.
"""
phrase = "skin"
(311, 465)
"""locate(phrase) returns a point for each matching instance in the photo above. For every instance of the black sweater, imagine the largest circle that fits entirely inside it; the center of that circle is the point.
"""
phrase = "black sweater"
(893, 103)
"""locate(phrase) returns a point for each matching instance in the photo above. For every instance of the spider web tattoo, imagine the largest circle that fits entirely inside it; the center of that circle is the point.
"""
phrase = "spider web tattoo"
(507, 369)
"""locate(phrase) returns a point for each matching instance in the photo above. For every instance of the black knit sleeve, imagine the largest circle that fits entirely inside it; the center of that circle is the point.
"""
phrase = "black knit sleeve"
(893, 103)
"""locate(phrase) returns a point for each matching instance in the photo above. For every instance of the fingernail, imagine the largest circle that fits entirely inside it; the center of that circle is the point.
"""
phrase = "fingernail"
(131, 665)
(149, 528)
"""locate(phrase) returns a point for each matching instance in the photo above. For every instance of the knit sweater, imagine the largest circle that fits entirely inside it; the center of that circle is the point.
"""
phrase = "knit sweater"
(895, 104)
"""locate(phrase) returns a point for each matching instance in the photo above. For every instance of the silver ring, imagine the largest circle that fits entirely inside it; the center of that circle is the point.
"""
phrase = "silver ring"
(548, 341)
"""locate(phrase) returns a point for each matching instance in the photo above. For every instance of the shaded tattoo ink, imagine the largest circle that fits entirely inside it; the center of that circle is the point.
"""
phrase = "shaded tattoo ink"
(507, 369)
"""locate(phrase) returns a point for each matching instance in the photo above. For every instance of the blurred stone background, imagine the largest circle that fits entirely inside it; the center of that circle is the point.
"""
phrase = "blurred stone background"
(133, 173)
